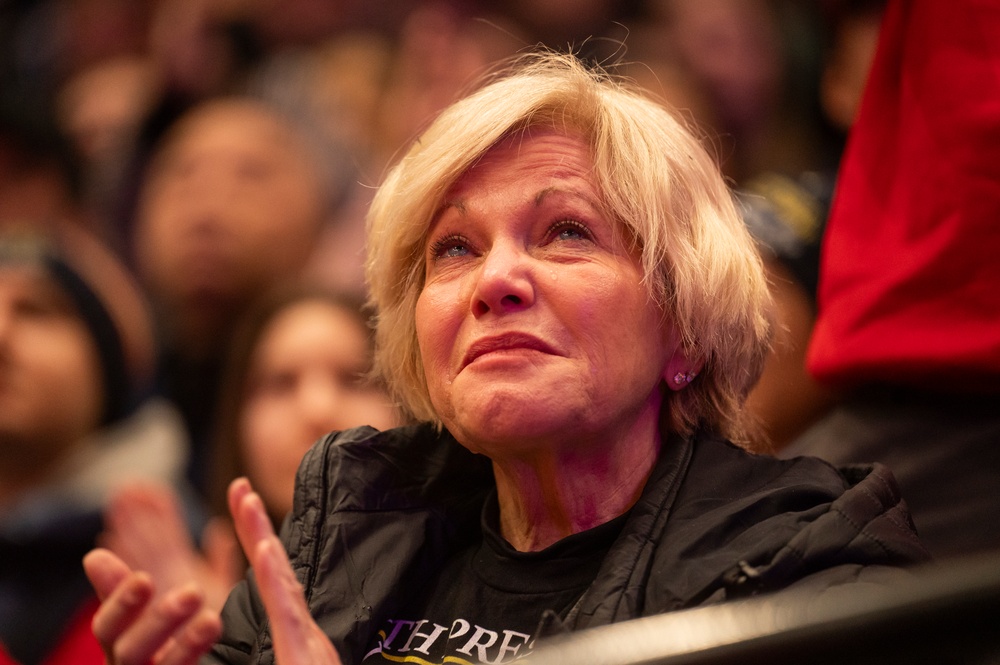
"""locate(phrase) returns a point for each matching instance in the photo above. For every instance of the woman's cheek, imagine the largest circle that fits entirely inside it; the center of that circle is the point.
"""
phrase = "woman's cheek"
(272, 452)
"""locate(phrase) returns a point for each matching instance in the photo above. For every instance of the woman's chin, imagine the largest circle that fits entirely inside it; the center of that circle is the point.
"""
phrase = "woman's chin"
(507, 424)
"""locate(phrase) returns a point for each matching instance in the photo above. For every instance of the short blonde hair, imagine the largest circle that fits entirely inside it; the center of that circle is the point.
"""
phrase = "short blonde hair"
(700, 264)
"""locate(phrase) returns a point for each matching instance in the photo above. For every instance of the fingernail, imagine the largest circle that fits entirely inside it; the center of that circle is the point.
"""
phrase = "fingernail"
(136, 593)
(184, 600)
(206, 629)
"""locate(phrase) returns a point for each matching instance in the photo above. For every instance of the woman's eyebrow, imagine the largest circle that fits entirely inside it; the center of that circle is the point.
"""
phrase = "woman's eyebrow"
(459, 204)
(450, 204)
(568, 192)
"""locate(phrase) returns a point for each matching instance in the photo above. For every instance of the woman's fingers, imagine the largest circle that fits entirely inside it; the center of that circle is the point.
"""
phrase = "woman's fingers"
(105, 571)
(297, 638)
(133, 628)
(124, 596)
(238, 489)
(249, 516)
(194, 640)
(121, 608)
(146, 530)
(282, 596)
(158, 626)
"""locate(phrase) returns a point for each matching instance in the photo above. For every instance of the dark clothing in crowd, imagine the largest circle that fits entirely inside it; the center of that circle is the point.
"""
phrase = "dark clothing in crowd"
(46, 602)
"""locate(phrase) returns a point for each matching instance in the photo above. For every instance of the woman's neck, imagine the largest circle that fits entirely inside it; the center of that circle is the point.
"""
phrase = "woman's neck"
(558, 493)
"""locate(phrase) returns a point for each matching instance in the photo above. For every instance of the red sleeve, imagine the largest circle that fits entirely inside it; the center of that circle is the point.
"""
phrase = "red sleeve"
(910, 267)
(78, 646)
(5, 658)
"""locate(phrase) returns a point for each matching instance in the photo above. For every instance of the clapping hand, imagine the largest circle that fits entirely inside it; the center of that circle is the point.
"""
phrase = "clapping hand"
(297, 638)
(145, 528)
(136, 626)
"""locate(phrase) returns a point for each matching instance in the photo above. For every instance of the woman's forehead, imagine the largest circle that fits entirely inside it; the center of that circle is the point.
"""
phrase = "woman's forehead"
(536, 159)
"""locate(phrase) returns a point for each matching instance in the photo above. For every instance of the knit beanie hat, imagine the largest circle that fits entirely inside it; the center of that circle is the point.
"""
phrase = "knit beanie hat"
(105, 295)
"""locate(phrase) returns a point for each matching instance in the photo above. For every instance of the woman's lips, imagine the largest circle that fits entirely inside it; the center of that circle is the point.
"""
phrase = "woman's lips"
(505, 342)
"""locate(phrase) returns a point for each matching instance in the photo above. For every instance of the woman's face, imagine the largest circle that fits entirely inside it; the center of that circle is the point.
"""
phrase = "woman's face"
(305, 380)
(533, 325)
(50, 374)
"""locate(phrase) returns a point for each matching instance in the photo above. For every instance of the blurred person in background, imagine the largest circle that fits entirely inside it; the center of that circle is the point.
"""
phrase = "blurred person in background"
(373, 94)
(40, 170)
(440, 53)
(909, 319)
(195, 51)
(101, 109)
(593, 29)
(757, 62)
(233, 203)
(76, 353)
(787, 213)
(45, 42)
(84, 62)
(298, 369)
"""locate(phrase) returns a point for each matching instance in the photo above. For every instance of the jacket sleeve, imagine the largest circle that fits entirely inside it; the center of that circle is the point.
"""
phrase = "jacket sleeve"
(245, 639)
(865, 536)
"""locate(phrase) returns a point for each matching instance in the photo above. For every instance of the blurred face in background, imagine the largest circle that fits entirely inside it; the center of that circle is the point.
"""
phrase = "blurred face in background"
(306, 379)
(733, 47)
(231, 204)
(51, 392)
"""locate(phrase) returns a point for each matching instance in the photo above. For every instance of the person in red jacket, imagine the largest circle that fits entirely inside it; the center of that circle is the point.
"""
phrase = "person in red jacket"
(909, 316)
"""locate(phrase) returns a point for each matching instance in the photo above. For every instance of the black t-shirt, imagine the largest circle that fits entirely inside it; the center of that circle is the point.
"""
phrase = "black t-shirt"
(488, 599)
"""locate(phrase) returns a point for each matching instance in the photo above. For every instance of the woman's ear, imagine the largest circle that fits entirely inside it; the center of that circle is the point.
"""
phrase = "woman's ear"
(680, 371)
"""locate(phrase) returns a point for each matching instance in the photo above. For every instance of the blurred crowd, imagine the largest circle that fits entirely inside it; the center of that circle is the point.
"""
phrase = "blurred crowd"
(218, 146)
(98, 85)
(183, 186)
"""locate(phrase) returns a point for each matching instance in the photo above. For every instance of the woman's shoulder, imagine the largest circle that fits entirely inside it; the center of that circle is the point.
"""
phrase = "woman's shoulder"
(365, 467)
(768, 522)
(746, 471)
(760, 488)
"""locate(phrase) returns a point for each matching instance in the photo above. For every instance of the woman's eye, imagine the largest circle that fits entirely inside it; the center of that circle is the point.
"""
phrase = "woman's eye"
(278, 383)
(34, 309)
(450, 247)
(569, 230)
(43, 306)
(350, 379)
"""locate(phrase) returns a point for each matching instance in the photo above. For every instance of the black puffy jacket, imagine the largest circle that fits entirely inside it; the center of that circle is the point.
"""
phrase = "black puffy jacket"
(375, 511)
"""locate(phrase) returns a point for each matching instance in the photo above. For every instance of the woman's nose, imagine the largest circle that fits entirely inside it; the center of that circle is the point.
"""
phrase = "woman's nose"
(504, 282)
